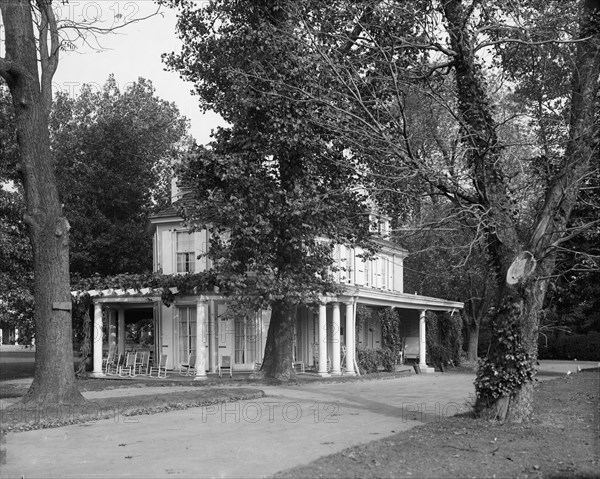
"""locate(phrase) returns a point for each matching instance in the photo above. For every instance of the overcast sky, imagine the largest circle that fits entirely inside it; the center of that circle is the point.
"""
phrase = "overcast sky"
(134, 52)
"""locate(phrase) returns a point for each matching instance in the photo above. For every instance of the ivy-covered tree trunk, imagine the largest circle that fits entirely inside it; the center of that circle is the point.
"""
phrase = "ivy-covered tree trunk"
(277, 361)
(48, 229)
(505, 379)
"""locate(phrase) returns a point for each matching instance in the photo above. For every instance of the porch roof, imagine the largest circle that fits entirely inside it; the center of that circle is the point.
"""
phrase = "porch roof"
(375, 297)
(124, 295)
(362, 295)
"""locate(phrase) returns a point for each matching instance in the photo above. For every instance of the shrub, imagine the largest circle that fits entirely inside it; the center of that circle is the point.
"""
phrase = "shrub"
(372, 360)
(585, 347)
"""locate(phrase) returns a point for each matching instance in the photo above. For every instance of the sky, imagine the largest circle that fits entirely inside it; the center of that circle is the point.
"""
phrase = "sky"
(135, 51)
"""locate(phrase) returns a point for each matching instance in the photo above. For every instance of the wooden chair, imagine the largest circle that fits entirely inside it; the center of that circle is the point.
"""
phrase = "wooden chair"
(298, 366)
(113, 367)
(129, 367)
(189, 368)
(225, 364)
(160, 368)
(108, 360)
(142, 363)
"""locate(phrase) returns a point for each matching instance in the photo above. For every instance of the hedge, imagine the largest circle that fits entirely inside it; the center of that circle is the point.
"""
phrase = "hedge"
(584, 347)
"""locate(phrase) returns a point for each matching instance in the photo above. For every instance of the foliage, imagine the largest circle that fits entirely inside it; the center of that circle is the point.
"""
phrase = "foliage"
(274, 189)
(364, 314)
(372, 360)
(113, 151)
(9, 152)
(16, 271)
(16, 274)
(390, 330)
(444, 338)
(505, 369)
(272, 180)
(573, 299)
(170, 285)
(103, 142)
(449, 261)
(561, 345)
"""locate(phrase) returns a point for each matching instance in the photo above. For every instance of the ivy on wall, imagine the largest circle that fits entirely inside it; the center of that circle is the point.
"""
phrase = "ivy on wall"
(444, 338)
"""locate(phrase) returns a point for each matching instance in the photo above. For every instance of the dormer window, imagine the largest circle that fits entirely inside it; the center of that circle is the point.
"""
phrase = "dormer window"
(186, 256)
(384, 227)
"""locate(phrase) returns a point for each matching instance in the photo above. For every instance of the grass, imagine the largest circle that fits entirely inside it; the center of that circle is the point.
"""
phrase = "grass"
(562, 441)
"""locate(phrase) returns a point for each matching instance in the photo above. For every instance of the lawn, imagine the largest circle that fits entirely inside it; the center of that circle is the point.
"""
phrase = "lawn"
(562, 441)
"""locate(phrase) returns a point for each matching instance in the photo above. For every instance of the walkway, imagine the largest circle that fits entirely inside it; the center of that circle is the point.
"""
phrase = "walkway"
(253, 438)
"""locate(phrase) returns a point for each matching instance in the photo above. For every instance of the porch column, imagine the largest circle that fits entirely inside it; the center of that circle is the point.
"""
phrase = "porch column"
(201, 319)
(423, 345)
(323, 340)
(112, 330)
(121, 331)
(336, 339)
(422, 340)
(350, 340)
(212, 338)
(97, 348)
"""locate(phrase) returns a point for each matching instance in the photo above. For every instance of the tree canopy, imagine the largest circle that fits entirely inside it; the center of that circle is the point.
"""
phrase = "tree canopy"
(113, 152)
(274, 189)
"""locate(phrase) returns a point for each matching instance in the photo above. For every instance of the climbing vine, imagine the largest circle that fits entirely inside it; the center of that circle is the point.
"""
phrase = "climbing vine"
(505, 369)
(390, 330)
(444, 338)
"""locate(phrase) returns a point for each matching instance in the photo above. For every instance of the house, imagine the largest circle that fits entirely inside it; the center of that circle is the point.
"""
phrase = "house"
(200, 324)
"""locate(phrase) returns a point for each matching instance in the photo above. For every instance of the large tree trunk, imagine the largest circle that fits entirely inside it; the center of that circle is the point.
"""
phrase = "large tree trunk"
(54, 378)
(277, 361)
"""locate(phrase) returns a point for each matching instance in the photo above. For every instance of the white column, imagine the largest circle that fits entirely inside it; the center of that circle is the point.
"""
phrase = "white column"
(121, 331)
(201, 319)
(422, 340)
(323, 340)
(336, 339)
(112, 330)
(350, 340)
(97, 348)
(212, 338)
(423, 345)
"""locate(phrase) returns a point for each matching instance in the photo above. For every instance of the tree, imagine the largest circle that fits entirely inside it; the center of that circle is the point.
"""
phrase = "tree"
(271, 187)
(447, 261)
(48, 229)
(104, 142)
(368, 56)
(31, 35)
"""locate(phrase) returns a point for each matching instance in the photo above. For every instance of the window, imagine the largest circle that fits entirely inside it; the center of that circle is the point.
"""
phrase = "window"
(246, 340)
(186, 256)
(187, 332)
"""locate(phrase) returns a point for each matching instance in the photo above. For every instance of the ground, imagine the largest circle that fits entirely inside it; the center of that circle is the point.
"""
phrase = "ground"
(562, 441)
